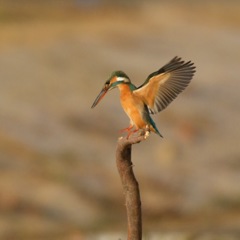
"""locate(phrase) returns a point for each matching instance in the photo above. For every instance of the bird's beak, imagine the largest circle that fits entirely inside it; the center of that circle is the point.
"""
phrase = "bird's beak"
(100, 96)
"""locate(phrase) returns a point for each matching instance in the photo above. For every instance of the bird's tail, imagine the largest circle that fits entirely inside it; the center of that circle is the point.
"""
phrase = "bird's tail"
(153, 127)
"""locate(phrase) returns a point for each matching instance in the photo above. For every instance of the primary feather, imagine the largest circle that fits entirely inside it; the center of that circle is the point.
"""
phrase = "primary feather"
(163, 86)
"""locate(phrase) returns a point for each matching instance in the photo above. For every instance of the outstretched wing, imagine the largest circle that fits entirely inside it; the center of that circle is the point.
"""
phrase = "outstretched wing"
(163, 86)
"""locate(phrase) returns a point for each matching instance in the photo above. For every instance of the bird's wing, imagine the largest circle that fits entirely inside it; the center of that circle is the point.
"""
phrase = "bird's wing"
(163, 86)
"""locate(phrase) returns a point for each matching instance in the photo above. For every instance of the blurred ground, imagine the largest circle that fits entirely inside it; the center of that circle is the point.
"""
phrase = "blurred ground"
(58, 178)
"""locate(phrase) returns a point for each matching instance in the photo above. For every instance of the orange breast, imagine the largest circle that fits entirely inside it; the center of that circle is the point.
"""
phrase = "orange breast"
(133, 106)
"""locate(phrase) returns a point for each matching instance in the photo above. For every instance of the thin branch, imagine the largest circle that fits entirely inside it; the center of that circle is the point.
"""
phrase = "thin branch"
(130, 185)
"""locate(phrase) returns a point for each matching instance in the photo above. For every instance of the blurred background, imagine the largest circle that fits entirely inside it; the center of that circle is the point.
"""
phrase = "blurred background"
(58, 177)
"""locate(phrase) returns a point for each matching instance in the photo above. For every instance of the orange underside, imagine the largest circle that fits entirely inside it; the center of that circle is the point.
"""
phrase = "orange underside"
(134, 108)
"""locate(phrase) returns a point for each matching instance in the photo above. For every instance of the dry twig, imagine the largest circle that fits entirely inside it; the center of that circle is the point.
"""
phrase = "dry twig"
(130, 185)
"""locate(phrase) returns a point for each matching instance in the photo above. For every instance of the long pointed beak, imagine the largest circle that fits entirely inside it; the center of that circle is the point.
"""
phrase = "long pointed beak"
(99, 97)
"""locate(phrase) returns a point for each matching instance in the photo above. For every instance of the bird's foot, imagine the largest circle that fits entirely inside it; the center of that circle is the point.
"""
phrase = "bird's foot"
(131, 132)
(126, 129)
(143, 132)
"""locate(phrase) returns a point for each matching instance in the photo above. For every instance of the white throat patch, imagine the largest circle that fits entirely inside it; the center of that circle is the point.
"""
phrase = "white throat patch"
(121, 79)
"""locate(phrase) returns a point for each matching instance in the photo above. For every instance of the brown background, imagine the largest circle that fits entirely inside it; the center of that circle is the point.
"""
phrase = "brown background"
(58, 178)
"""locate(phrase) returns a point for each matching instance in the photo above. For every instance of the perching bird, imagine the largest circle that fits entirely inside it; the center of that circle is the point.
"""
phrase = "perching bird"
(154, 95)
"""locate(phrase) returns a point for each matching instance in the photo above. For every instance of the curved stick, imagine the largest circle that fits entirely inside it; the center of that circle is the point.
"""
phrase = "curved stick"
(130, 185)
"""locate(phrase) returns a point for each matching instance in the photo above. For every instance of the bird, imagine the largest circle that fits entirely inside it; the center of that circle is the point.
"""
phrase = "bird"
(154, 95)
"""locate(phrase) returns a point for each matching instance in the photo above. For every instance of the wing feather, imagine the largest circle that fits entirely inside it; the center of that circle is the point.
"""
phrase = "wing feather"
(163, 86)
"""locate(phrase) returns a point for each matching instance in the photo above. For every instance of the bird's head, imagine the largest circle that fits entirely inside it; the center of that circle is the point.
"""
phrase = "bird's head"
(116, 78)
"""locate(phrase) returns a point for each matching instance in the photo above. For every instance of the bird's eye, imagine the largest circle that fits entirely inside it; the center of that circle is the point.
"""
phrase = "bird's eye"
(107, 83)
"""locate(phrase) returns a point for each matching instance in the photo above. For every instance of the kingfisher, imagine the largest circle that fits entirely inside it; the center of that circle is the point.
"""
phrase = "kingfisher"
(155, 94)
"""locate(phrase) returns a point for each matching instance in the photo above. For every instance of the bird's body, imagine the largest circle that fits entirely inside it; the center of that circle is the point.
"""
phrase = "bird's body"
(154, 95)
(135, 109)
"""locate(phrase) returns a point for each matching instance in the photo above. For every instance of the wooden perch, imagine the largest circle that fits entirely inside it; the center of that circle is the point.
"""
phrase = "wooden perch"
(130, 185)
